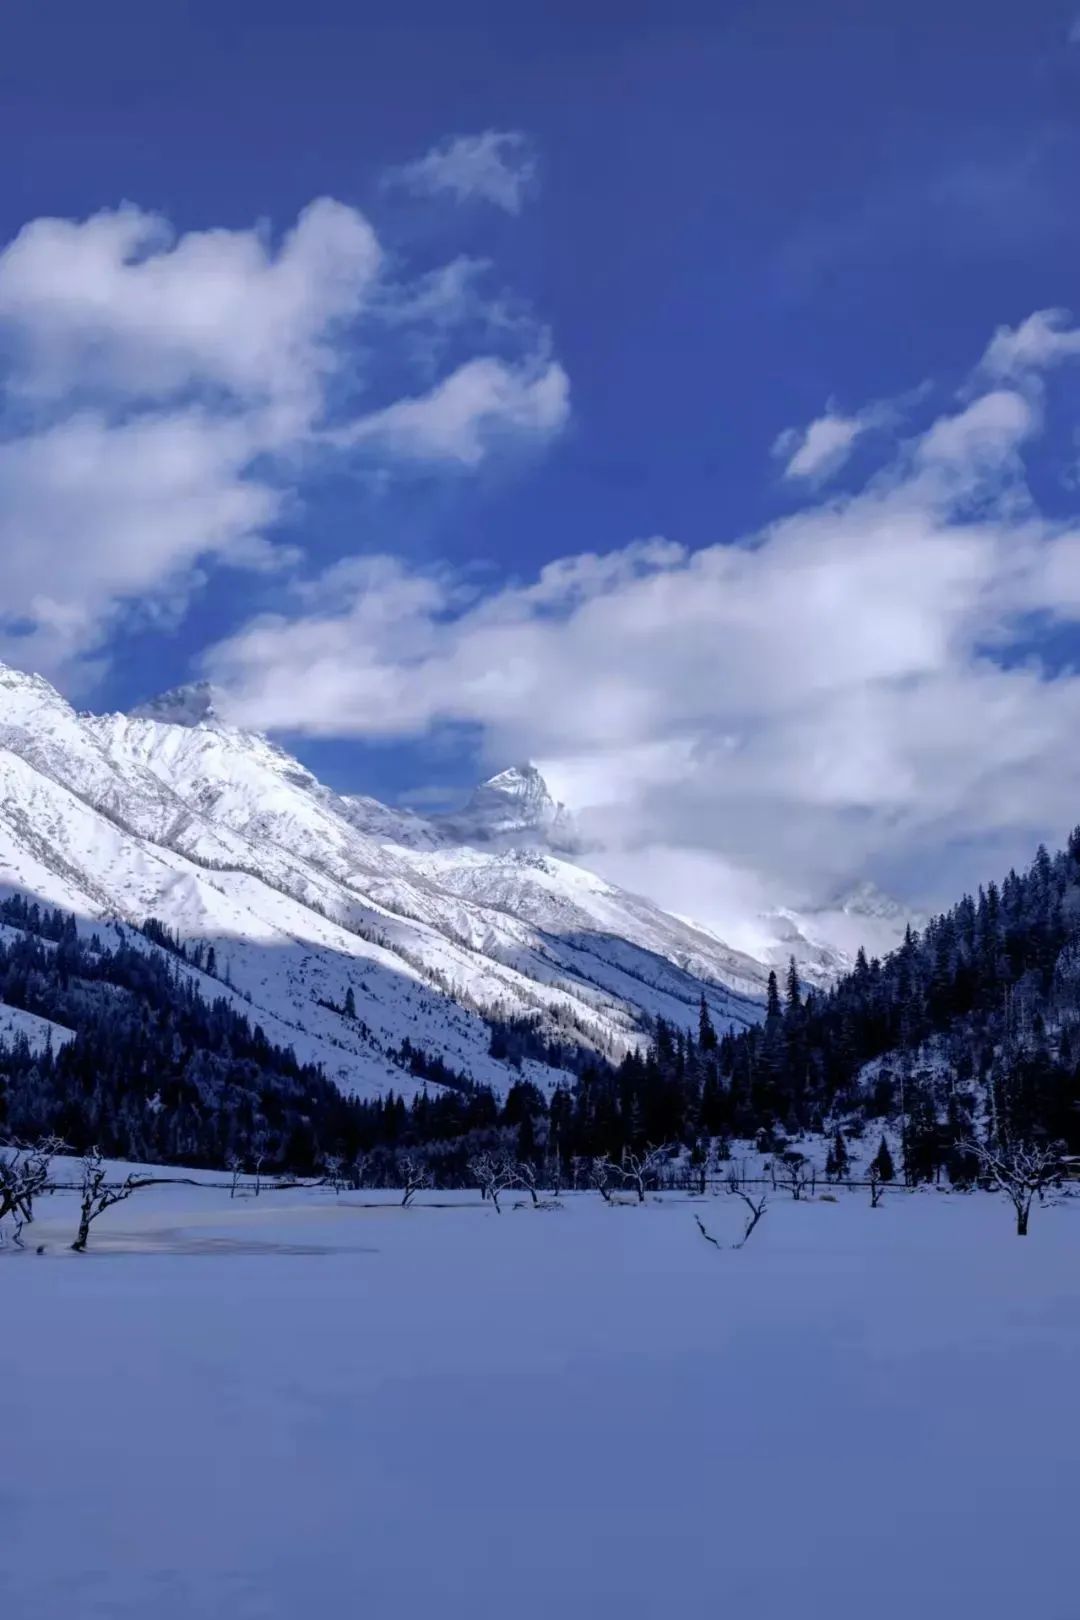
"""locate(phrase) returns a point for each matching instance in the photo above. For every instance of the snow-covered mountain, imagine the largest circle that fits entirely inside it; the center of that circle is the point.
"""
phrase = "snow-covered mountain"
(511, 809)
(172, 813)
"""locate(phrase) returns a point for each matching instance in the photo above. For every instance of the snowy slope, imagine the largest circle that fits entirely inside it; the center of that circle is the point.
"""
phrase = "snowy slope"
(228, 840)
(17, 1024)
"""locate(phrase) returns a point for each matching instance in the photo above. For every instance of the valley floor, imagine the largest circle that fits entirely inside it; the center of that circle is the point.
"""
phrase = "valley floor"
(311, 1404)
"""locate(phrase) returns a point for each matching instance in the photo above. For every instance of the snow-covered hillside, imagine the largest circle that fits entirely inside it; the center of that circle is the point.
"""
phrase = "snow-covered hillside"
(39, 1033)
(305, 894)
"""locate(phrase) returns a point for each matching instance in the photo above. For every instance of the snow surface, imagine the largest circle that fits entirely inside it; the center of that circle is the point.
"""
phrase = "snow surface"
(307, 1404)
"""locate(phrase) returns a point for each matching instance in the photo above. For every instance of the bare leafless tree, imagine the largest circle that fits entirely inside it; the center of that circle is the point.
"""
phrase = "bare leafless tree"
(356, 1172)
(705, 1167)
(334, 1171)
(98, 1195)
(236, 1166)
(877, 1186)
(706, 1234)
(639, 1170)
(494, 1172)
(528, 1178)
(1023, 1170)
(24, 1175)
(600, 1177)
(796, 1173)
(415, 1176)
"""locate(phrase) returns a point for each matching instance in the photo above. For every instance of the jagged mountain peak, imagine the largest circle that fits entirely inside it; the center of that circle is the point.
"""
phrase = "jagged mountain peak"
(197, 703)
(12, 677)
(525, 777)
(513, 806)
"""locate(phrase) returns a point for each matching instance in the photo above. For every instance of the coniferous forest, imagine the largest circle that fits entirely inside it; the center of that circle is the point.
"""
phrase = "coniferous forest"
(972, 1027)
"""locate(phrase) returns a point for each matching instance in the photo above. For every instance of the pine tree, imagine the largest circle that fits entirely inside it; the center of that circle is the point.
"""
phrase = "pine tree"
(838, 1162)
(882, 1163)
(707, 1041)
(350, 1003)
(794, 988)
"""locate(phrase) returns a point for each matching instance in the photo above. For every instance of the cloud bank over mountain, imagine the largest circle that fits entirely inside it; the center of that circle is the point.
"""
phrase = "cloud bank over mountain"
(852, 687)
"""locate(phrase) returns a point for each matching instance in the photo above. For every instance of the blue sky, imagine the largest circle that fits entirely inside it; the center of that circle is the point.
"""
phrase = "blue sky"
(724, 223)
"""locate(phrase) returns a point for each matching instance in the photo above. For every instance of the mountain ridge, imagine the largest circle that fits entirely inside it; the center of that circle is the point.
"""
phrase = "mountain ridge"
(227, 839)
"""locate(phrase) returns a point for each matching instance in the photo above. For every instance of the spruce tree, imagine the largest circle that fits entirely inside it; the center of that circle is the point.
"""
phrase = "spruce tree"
(882, 1163)
(707, 1041)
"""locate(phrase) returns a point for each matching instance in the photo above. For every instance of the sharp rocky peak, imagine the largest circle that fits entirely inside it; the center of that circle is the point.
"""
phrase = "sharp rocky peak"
(515, 806)
(517, 782)
(197, 704)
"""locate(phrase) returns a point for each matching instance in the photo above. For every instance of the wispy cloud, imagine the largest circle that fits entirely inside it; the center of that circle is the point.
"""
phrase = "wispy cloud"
(457, 421)
(812, 454)
(1045, 339)
(497, 167)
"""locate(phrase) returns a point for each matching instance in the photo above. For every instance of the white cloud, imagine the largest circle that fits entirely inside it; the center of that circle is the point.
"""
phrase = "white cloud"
(163, 392)
(1045, 339)
(840, 691)
(814, 453)
(457, 421)
(119, 301)
(498, 167)
(817, 451)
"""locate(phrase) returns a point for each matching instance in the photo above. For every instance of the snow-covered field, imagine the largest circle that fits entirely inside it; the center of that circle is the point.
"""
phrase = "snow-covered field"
(311, 1405)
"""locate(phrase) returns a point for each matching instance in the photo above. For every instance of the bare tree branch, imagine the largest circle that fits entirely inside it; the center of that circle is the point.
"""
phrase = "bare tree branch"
(757, 1208)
